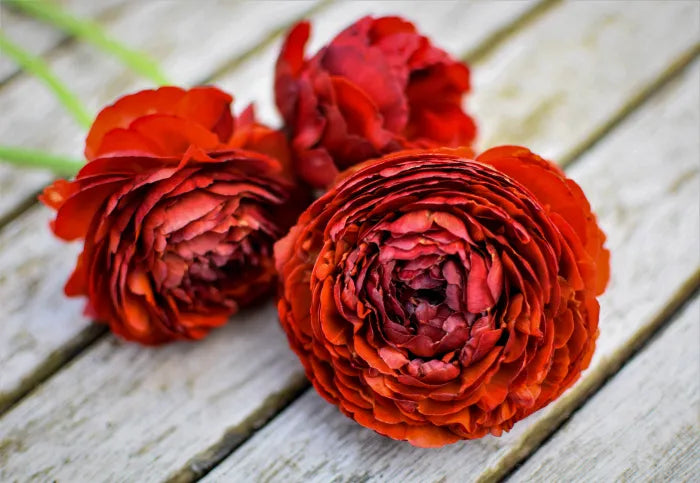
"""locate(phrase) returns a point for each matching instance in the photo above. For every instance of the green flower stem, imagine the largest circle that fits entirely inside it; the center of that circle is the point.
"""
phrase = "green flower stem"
(91, 32)
(36, 66)
(61, 165)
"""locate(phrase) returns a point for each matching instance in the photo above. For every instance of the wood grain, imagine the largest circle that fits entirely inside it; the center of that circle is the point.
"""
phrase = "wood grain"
(40, 325)
(643, 181)
(123, 412)
(190, 43)
(198, 448)
(551, 86)
(641, 426)
(39, 38)
(49, 349)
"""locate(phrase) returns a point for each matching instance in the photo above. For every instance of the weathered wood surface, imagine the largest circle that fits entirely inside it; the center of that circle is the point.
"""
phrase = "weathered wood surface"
(641, 426)
(39, 348)
(36, 38)
(643, 182)
(218, 430)
(462, 24)
(123, 401)
(189, 42)
(553, 87)
(40, 327)
(125, 413)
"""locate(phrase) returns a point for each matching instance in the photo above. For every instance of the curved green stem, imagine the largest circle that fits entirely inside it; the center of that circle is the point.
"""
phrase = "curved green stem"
(92, 32)
(61, 165)
(36, 66)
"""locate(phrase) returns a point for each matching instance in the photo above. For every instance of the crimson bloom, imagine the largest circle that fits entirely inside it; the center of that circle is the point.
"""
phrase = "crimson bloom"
(435, 297)
(378, 87)
(178, 206)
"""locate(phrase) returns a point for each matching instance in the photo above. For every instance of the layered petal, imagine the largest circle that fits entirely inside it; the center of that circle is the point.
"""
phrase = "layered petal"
(377, 87)
(201, 108)
(435, 297)
(178, 213)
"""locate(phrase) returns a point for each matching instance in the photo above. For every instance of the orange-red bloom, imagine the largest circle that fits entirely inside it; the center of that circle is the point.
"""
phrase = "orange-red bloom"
(378, 87)
(178, 206)
(434, 297)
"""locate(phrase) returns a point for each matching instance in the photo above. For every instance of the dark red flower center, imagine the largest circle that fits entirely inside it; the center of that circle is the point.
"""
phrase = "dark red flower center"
(431, 295)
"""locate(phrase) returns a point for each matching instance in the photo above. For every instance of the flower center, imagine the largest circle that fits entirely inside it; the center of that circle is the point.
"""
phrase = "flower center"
(434, 296)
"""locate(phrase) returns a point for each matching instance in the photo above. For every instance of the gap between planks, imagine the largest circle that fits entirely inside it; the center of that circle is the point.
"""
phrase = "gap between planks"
(668, 364)
(537, 8)
(91, 334)
(48, 38)
(684, 294)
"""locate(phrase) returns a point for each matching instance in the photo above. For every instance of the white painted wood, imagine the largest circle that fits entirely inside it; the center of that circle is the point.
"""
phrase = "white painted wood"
(458, 27)
(190, 40)
(453, 25)
(135, 426)
(25, 342)
(641, 426)
(39, 38)
(128, 413)
(37, 319)
(643, 181)
(551, 86)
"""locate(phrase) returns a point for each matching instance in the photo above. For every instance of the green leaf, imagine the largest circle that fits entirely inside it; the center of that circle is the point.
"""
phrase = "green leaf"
(61, 165)
(36, 66)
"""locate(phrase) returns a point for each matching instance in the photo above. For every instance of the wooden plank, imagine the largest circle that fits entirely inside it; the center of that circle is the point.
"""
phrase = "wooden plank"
(41, 327)
(641, 426)
(573, 67)
(217, 432)
(39, 38)
(190, 43)
(642, 180)
(129, 413)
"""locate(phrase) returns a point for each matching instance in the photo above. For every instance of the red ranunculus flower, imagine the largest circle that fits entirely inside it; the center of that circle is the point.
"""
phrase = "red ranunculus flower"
(435, 298)
(178, 205)
(378, 87)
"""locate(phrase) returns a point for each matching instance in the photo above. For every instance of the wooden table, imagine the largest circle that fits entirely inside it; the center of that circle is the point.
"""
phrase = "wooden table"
(611, 90)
